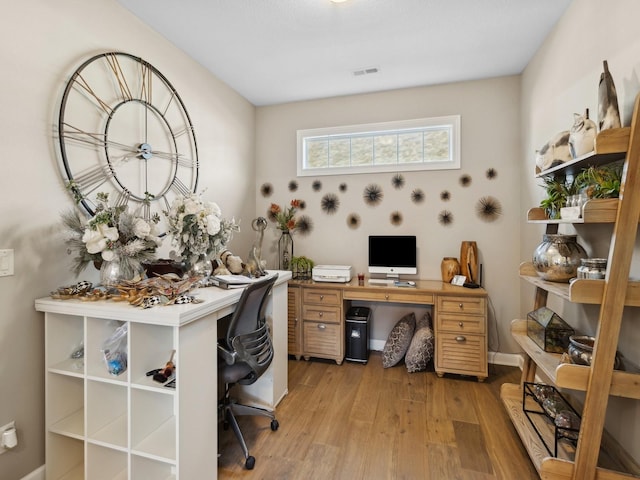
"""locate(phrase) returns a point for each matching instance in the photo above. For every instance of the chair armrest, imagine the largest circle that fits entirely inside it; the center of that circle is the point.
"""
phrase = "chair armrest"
(228, 356)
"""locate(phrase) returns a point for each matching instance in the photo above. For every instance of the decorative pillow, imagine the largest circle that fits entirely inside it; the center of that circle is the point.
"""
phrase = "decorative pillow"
(398, 341)
(421, 348)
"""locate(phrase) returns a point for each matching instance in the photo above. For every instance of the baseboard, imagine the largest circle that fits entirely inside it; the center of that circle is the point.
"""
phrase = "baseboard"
(508, 359)
(37, 474)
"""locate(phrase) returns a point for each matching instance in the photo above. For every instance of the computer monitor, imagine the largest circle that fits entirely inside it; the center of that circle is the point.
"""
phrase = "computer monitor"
(392, 255)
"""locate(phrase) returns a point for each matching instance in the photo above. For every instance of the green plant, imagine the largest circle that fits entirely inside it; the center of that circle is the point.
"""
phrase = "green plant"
(600, 182)
(301, 267)
(558, 188)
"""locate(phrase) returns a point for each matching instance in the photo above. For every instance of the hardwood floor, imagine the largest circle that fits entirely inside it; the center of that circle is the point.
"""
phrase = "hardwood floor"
(358, 421)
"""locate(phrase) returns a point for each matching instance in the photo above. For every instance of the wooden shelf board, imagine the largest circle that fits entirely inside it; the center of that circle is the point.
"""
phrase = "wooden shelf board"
(70, 426)
(579, 291)
(596, 210)
(77, 473)
(161, 444)
(547, 362)
(613, 461)
(511, 396)
(69, 367)
(114, 434)
(575, 377)
(610, 145)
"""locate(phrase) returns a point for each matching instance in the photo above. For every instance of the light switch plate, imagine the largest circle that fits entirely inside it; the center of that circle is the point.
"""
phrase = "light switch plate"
(6, 262)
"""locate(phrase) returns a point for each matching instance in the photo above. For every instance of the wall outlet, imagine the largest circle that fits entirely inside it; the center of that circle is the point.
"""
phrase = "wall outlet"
(8, 426)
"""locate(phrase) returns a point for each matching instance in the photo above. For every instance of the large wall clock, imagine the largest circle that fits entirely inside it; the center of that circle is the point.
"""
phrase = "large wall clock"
(124, 130)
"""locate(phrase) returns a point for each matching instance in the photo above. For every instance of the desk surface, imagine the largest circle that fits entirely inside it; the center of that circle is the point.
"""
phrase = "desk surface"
(214, 299)
(424, 287)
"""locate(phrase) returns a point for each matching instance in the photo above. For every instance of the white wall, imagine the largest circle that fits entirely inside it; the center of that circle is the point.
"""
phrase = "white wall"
(42, 44)
(490, 139)
(563, 79)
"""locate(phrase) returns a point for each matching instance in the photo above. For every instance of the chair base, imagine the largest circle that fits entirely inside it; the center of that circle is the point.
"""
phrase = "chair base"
(229, 411)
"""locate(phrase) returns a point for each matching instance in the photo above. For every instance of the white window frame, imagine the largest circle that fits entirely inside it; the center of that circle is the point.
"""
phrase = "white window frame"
(452, 122)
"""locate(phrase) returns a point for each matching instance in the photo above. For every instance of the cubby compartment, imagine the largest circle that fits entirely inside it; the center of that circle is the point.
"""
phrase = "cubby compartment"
(65, 405)
(151, 347)
(106, 463)
(107, 414)
(98, 331)
(153, 424)
(142, 467)
(65, 458)
(64, 341)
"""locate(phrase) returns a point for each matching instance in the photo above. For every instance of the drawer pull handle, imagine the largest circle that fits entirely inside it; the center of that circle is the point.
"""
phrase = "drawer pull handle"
(321, 297)
(386, 296)
(322, 326)
(460, 324)
(461, 305)
(460, 339)
(320, 314)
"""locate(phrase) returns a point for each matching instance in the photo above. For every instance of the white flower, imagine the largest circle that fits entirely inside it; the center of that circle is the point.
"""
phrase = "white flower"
(215, 209)
(213, 224)
(108, 255)
(141, 228)
(96, 240)
(191, 206)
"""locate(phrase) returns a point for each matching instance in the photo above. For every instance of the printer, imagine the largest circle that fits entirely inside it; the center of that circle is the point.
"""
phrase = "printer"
(332, 273)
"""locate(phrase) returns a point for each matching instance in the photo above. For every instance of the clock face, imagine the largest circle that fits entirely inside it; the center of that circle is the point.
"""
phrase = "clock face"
(124, 131)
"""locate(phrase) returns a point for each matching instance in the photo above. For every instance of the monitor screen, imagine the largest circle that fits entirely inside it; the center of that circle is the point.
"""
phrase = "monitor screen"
(392, 255)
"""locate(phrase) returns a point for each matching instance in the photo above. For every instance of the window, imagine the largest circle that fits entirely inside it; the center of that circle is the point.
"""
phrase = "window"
(421, 144)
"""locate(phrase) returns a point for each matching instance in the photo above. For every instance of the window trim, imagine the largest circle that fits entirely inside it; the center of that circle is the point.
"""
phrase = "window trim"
(393, 127)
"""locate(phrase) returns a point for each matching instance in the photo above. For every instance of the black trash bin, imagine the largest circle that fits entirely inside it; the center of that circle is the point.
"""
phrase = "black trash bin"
(357, 334)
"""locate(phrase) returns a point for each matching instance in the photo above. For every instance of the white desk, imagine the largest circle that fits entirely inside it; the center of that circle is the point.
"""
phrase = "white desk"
(100, 426)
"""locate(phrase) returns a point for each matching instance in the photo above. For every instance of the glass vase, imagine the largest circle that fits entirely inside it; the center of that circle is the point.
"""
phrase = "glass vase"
(114, 272)
(201, 268)
(285, 250)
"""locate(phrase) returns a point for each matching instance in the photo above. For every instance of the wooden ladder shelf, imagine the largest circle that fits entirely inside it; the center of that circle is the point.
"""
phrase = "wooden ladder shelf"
(601, 380)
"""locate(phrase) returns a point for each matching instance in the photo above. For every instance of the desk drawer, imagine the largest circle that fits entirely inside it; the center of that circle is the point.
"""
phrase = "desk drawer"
(322, 339)
(398, 295)
(468, 305)
(464, 354)
(460, 323)
(322, 313)
(324, 296)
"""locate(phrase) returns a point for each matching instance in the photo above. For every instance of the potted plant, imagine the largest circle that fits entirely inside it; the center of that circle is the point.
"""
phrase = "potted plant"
(301, 267)
(558, 190)
(600, 182)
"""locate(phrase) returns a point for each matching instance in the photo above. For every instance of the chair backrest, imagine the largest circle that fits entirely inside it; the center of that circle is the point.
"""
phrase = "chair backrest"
(250, 311)
(248, 334)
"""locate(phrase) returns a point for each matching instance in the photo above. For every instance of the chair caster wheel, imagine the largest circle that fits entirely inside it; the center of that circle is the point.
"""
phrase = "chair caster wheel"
(250, 463)
(274, 425)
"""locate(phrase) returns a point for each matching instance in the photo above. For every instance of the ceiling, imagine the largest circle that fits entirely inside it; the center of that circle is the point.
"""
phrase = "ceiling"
(278, 51)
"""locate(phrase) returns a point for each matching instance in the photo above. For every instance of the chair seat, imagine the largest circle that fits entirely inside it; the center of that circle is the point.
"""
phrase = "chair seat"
(234, 373)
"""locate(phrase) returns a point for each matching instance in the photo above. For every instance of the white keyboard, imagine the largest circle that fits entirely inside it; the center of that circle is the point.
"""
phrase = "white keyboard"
(381, 281)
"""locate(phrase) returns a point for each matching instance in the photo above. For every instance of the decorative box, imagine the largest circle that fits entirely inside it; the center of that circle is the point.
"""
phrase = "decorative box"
(548, 330)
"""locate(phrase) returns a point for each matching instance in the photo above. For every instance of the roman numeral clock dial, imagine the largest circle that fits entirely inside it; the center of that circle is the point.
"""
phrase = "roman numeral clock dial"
(124, 130)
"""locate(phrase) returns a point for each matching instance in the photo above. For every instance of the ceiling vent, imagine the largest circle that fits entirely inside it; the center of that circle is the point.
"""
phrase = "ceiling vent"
(365, 71)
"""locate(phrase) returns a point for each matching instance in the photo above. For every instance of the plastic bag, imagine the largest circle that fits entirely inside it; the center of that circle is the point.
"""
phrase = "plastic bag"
(114, 351)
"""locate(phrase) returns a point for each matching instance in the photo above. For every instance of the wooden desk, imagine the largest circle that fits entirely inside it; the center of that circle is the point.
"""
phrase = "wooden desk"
(317, 310)
(128, 426)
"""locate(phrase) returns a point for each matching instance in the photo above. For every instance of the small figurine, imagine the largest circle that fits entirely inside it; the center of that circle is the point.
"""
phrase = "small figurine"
(255, 265)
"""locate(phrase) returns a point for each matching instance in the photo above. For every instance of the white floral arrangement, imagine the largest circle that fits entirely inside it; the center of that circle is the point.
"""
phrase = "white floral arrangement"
(112, 234)
(197, 228)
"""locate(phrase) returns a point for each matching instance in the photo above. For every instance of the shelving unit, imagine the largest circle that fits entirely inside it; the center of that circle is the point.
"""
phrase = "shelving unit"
(597, 455)
(100, 426)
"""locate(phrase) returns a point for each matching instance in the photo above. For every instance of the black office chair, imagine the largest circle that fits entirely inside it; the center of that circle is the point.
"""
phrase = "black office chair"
(245, 354)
